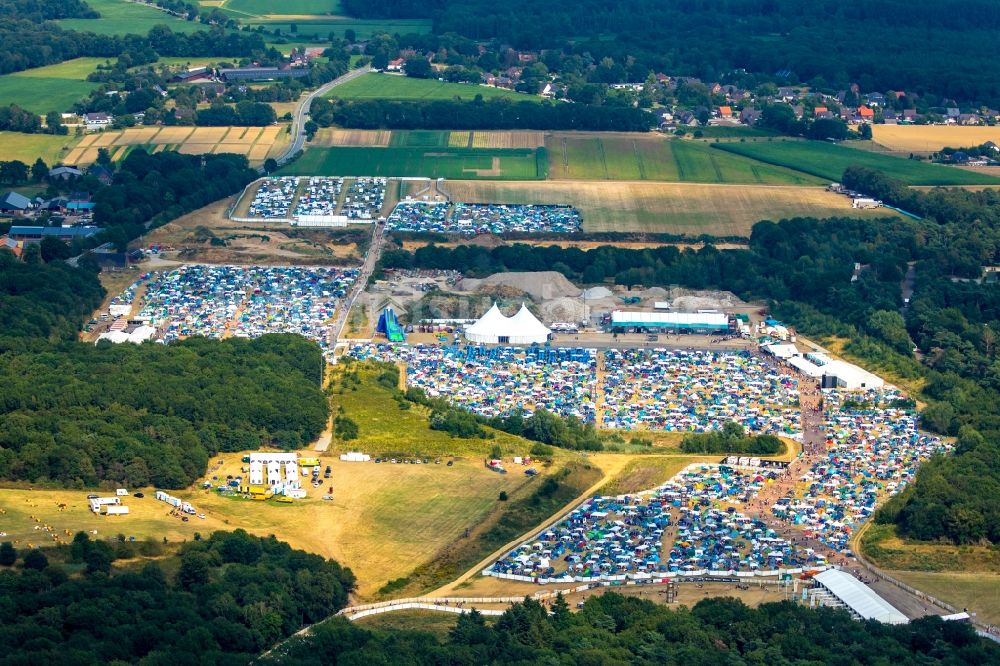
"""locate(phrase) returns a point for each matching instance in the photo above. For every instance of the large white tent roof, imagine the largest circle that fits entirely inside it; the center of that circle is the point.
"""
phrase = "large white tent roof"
(522, 328)
(859, 597)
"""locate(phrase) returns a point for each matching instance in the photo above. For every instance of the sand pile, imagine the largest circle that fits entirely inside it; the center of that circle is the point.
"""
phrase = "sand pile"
(570, 310)
(543, 285)
(597, 292)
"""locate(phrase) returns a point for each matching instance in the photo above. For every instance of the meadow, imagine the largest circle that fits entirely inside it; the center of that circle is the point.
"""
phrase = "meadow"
(323, 26)
(120, 17)
(393, 86)
(286, 7)
(430, 162)
(584, 156)
(667, 208)
(29, 147)
(828, 161)
(52, 88)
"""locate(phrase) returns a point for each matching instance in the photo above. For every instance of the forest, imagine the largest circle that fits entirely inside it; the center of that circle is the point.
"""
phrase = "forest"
(221, 599)
(731, 439)
(478, 114)
(615, 629)
(870, 42)
(804, 267)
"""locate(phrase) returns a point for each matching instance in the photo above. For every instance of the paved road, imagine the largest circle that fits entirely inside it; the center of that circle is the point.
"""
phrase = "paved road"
(302, 110)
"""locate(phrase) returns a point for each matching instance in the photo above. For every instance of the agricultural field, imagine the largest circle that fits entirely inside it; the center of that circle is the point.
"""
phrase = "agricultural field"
(427, 161)
(586, 156)
(255, 142)
(51, 88)
(670, 208)
(330, 137)
(828, 161)
(29, 147)
(931, 138)
(283, 8)
(121, 17)
(394, 86)
(321, 27)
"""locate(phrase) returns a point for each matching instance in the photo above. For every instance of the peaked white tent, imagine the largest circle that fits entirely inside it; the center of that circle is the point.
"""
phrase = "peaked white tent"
(494, 328)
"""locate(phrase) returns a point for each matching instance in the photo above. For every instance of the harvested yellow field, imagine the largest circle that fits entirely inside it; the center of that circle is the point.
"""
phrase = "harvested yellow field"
(105, 139)
(932, 138)
(190, 148)
(234, 135)
(73, 156)
(670, 208)
(270, 133)
(89, 156)
(174, 134)
(259, 152)
(459, 139)
(137, 136)
(118, 153)
(235, 148)
(87, 140)
(208, 134)
(506, 139)
(250, 135)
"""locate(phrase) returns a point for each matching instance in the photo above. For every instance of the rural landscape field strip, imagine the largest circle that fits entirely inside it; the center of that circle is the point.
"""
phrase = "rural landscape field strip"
(392, 86)
(828, 161)
(430, 162)
(51, 88)
(932, 138)
(254, 142)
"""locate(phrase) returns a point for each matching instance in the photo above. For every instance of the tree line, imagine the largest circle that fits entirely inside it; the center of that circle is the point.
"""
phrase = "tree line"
(732, 438)
(221, 599)
(477, 114)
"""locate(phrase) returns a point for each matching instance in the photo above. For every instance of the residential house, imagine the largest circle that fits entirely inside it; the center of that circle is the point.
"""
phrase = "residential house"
(875, 99)
(97, 121)
(865, 114)
(14, 203)
(968, 119)
(396, 65)
(909, 115)
(749, 116)
(725, 112)
(101, 173)
(952, 113)
(64, 173)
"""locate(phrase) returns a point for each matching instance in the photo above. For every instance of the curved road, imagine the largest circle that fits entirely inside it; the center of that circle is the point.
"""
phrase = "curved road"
(302, 110)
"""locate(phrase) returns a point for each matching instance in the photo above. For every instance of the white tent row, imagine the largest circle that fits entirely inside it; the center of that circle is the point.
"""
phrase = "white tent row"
(807, 368)
(495, 328)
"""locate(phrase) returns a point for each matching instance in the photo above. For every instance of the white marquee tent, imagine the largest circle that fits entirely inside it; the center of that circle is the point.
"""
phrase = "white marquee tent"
(494, 328)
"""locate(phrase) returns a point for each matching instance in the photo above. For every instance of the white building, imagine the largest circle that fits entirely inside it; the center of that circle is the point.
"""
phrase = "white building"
(839, 588)
(844, 375)
(97, 121)
(494, 328)
(276, 470)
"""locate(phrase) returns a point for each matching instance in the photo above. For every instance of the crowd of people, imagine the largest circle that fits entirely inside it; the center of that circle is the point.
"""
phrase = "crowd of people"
(873, 450)
(478, 218)
(493, 381)
(215, 301)
(691, 524)
(364, 198)
(274, 197)
(697, 391)
(319, 196)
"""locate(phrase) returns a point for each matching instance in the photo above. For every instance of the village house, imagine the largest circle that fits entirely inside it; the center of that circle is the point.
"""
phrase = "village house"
(97, 121)
(396, 65)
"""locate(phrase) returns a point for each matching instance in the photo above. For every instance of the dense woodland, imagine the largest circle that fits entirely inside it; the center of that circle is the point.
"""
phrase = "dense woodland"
(938, 48)
(731, 439)
(805, 268)
(222, 600)
(478, 114)
(614, 629)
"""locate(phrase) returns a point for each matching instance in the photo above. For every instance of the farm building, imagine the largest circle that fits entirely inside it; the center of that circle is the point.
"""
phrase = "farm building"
(261, 74)
(839, 588)
(495, 328)
(623, 321)
(62, 233)
(12, 202)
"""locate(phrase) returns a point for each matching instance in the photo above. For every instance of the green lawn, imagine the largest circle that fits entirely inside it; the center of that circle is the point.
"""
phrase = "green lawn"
(828, 161)
(420, 138)
(590, 157)
(322, 27)
(458, 163)
(120, 17)
(51, 88)
(282, 7)
(732, 132)
(29, 147)
(392, 86)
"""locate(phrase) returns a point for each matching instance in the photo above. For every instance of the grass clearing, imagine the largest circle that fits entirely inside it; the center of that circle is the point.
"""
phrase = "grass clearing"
(269, 7)
(51, 88)
(828, 161)
(29, 147)
(426, 162)
(591, 156)
(321, 27)
(432, 622)
(932, 138)
(120, 17)
(394, 86)
(980, 593)
(674, 208)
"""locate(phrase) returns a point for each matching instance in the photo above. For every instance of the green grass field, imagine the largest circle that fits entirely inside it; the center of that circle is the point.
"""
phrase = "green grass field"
(322, 27)
(828, 161)
(282, 7)
(618, 157)
(458, 163)
(119, 17)
(51, 88)
(733, 132)
(391, 86)
(420, 139)
(29, 147)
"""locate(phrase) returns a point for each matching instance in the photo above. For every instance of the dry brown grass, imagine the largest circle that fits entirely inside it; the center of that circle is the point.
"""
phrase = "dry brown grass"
(508, 139)
(87, 140)
(259, 151)
(189, 148)
(681, 208)
(932, 138)
(137, 136)
(331, 137)
(170, 135)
